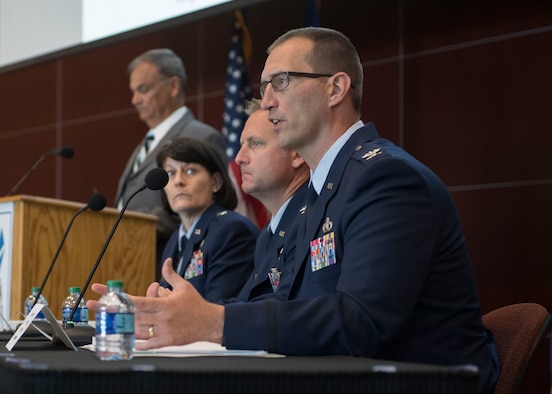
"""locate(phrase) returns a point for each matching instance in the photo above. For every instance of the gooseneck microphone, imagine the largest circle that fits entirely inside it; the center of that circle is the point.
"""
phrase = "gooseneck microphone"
(156, 179)
(96, 202)
(66, 152)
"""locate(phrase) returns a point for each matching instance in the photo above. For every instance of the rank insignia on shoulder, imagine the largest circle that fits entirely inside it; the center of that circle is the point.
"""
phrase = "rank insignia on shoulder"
(371, 154)
(222, 213)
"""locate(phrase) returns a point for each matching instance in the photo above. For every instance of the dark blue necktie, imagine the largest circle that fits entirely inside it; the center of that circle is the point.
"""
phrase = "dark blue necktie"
(311, 195)
(182, 245)
(310, 201)
(183, 240)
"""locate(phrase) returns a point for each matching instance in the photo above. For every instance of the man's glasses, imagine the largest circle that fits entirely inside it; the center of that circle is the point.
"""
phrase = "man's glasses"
(281, 81)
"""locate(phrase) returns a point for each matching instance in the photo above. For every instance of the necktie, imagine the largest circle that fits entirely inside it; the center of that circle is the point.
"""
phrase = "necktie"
(183, 240)
(143, 152)
(310, 201)
(182, 247)
(311, 195)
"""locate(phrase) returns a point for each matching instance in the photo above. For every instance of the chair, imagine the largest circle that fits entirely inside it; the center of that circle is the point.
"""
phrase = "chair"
(518, 329)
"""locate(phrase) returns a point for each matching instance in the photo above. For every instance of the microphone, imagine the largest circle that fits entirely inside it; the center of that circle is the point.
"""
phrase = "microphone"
(96, 202)
(66, 152)
(156, 179)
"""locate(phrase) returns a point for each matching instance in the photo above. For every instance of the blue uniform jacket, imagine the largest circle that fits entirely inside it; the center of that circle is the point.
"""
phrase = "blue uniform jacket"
(219, 255)
(389, 277)
(270, 252)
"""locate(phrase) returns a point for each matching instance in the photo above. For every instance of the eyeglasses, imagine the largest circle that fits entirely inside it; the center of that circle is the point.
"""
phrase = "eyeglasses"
(280, 81)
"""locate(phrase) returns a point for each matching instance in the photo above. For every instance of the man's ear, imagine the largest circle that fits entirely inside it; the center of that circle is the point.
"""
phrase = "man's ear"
(341, 84)
(175, 86)
(296, 159)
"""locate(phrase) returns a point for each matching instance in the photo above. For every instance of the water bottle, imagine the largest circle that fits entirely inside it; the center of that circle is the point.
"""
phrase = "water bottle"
(80, 318)
(114, 324)
(30, 301)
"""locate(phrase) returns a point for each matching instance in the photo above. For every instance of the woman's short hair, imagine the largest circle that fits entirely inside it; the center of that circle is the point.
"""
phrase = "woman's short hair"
(191, 150)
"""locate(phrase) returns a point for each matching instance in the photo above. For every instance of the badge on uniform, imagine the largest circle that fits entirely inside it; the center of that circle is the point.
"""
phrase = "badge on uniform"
(195, 268)
(274, 277)
(322, 252)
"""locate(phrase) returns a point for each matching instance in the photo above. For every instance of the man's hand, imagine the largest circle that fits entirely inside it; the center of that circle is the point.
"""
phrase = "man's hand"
(178, 317)
(97, 288)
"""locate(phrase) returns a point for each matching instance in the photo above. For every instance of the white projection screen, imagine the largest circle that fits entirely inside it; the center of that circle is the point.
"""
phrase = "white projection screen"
(33, 29)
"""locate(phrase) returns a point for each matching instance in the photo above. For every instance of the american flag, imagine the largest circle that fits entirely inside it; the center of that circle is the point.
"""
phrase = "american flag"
(238, 92)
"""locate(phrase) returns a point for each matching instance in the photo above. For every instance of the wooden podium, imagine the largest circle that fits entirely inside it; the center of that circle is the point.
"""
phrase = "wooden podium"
(38, 227)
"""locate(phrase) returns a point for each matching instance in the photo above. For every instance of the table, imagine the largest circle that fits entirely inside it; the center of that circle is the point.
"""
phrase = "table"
(38, 366)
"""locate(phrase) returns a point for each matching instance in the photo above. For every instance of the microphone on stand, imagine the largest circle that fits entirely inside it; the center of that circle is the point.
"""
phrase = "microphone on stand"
(156, 179)
(96, 202)
(66, 152)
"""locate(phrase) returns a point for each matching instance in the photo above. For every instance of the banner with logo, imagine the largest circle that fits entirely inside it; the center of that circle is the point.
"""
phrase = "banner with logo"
(6, 242)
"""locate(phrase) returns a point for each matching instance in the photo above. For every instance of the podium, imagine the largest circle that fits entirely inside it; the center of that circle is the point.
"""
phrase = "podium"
(31, 229)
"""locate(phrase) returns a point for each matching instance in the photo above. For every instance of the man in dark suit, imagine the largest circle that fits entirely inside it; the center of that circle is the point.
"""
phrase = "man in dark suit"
(381, 268)
(158, 84)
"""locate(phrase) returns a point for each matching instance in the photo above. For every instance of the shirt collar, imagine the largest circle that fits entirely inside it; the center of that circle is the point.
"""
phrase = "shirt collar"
(275, 220)
(182, 231)
(318, 177)
(163, 128)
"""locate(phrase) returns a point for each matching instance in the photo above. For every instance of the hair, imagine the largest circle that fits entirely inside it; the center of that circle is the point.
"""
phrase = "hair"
(252, 106)
(191, 150)
(168, 64)
(332, 52)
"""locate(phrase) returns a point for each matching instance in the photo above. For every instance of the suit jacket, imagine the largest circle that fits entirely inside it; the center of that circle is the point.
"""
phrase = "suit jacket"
(381, 271)
(149, 201)
(218, 257)
(271, 253)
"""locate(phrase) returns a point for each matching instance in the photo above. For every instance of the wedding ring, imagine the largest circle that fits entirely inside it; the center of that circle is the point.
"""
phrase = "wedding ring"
(150, 331)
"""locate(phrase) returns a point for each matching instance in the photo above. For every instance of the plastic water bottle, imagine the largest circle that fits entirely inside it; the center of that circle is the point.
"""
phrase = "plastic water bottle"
(30, 301)
(80, 318)
(114, 324)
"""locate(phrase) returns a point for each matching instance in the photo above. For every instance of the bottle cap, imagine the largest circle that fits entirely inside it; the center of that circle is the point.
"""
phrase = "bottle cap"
(115, 283)
(74, 289)
(35, 289)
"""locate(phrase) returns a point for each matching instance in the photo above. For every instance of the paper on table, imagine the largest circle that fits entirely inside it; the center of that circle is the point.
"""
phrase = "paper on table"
(197, 349)
(201, 349)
